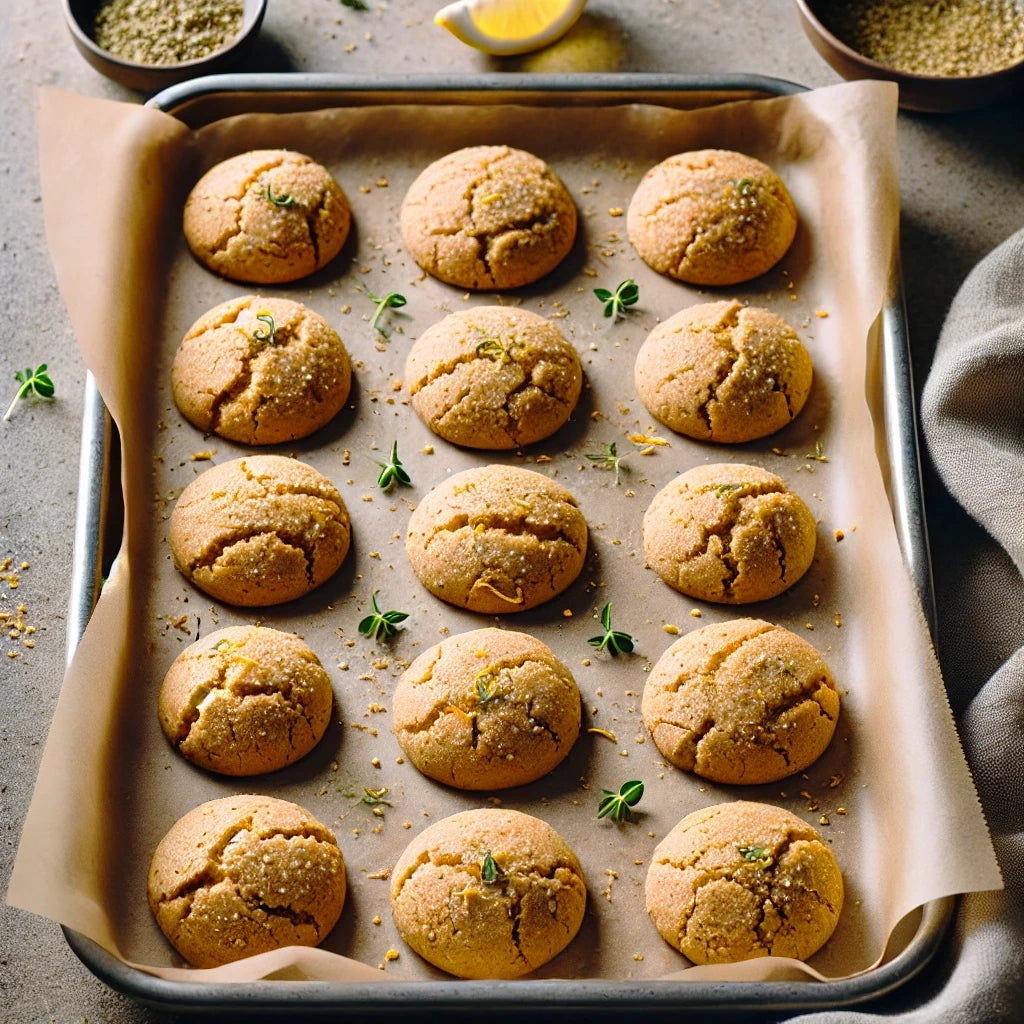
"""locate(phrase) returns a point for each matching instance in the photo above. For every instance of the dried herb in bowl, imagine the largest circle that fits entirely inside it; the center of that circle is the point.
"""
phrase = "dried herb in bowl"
(161, 32)
(958, 38)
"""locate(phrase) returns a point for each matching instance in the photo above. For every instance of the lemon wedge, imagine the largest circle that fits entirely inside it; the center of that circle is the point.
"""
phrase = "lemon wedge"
(505, 27)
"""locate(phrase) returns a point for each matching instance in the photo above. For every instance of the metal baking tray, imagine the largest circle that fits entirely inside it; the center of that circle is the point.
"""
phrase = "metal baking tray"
(98, 535)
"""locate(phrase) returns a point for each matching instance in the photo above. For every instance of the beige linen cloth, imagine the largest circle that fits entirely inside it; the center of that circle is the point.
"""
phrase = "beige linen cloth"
(973, 419)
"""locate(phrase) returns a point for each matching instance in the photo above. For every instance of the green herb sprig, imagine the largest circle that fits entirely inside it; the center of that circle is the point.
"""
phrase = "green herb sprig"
(267, 333)
(608, 458)
(617, 805)
(615, 303)
(375, 797)
(354, 5)
(392, 471)
(489, 870)
(381, 625)
(721, 490)
(393, 300)
(36, 381)
(613, 641)
(491, 348)
(486, 688)
(283, 199)
(743, 186)
(760, 857)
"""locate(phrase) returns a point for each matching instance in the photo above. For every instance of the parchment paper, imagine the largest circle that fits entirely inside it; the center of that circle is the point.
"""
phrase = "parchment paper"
(892, 793)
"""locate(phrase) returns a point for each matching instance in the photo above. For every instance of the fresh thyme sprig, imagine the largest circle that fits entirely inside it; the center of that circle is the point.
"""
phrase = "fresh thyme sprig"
(381, 625)
(393, 471)
(617, 805)
(491, 348)
(375, 797)
(390, 301)
(611, 640)
(615, 303)
(283, 199)
(486, 688)
(608, 458)
(35, 381)
(269, 333)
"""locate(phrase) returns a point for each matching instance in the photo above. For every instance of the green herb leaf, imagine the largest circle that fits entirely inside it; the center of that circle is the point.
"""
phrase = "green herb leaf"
(486, 688)
(615, 303)
(282, 199)
(381, 625)
(611, 640)
(608, 458)
(374, 797)
(760, 857)
(743, 186)
(35, 381)
(721, 490)
(268, 334)
(354, 5)
(390, 301)
(489, 870)
(617, 805)
(493, 349)
(393, 471)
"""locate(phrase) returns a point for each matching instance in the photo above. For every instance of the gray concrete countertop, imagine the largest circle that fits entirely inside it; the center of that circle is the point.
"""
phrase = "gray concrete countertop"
(961, 195)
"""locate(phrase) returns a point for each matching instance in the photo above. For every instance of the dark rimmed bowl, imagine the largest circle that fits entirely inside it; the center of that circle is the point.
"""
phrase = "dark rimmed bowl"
(153, 77)
(928, 93)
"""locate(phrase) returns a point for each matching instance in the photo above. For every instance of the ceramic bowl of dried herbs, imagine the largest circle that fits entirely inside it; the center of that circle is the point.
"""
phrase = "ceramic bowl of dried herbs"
(945, 55)
(151, 44)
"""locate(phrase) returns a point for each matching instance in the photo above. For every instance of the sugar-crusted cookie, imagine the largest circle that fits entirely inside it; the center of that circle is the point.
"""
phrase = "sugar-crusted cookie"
(725, 372)
(743, 880)
(244, 875)
(741, 702)
(244, 700)
(729, 533)
(259, 530)
(488, 893)
(711, 217)
(487, 709)
(493, 377)
(261, 371)
(497, 539)
(488, 217)
(268, 216)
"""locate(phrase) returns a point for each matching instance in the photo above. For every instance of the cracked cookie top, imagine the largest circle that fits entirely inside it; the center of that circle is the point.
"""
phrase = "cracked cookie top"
(488, 893)
(259, 530)
(244, 875)
(723, 372)
(742, 880)
(729, 533)
(245, 700)
(261, 371)
(487, 709)
(741, 702)
(488, 217)
(711, 217)
(497, 539)
(268, 216)
(493, 377)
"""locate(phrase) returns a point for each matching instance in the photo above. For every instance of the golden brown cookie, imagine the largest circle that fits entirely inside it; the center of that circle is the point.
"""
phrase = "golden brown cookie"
(487, 709)
(729, 533)
(493, 377)
(268, 216)
(261, 371)
(259, 530)
(488, 893)
(743, 880)
(245, 700)
(488, 217)
(711, 217)
(741, 702)
(725, 372)
(497, 539)
(244, 875)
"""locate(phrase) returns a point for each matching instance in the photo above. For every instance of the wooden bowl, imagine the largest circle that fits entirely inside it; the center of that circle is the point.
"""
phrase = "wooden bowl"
(929, 93)
(152, 77)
